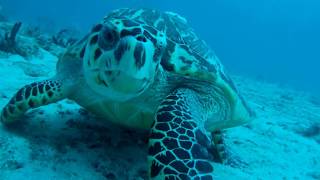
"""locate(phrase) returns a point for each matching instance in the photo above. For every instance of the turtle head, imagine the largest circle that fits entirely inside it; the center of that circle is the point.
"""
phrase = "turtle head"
(121, 57)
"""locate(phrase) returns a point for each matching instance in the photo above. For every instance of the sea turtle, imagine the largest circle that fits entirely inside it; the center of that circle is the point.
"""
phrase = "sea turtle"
(147, 69)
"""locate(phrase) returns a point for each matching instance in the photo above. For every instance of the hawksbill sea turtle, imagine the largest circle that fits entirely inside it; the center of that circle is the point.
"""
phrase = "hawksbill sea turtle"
(142, 68)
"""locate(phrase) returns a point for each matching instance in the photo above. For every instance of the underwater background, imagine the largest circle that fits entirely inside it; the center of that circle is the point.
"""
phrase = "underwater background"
(271, 48)
(273, 40)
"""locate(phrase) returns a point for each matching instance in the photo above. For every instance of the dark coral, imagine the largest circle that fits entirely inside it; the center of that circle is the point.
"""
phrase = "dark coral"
(8, 42)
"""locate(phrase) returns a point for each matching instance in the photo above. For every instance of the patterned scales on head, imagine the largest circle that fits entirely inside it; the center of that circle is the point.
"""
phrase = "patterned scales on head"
(145, 69)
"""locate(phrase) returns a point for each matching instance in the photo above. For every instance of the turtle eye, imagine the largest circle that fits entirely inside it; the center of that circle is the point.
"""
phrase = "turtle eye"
(108, 37)
(142, 39)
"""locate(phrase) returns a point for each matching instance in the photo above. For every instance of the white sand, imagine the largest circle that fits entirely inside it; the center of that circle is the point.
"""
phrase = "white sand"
(63, 141)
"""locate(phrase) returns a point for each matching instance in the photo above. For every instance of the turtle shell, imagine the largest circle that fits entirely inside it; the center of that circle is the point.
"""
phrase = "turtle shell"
(188, 55)
(201, 61)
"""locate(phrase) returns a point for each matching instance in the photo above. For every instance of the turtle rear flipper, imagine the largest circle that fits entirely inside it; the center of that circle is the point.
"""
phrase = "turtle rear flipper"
(32, 96)
(178, 144)
(219, 146)
(224, 155)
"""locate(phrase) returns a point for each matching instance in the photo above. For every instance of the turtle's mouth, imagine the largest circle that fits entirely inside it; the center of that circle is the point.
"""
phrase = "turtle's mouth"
(123, 83)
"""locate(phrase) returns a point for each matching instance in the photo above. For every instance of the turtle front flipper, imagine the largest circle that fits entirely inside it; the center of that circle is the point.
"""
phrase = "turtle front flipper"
(32, 96)
(178, 144)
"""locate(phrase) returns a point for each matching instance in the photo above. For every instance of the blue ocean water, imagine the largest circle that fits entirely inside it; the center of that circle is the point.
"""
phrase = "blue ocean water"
(272, 40)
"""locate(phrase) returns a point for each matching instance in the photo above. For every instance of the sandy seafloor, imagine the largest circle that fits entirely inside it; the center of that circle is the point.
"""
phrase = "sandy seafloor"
(63, 141)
